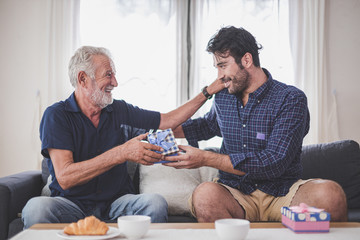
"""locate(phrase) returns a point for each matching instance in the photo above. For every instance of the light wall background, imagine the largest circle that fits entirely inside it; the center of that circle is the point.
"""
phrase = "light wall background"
(23, 63)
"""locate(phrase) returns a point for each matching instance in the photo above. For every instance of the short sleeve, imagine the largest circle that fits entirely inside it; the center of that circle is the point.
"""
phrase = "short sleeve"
(55, 131)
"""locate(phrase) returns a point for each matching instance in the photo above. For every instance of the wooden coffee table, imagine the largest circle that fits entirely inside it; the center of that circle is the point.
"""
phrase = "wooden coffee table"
(42, 226)
(202, 231)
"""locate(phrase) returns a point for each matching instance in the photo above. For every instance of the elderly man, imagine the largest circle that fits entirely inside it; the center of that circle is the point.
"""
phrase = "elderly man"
(88, 139)
(262, 123)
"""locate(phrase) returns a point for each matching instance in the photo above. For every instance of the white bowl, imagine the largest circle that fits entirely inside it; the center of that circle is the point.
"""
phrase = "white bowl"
(231, 228)
(134, 226)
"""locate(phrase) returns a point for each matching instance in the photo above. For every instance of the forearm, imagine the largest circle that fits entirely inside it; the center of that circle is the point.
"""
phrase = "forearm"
(70, 174)
(176, 117)
(178, 132)
(262, 165)
(221, 162)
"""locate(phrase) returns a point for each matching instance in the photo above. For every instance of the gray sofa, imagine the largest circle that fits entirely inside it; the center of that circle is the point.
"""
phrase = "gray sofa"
(338, 161)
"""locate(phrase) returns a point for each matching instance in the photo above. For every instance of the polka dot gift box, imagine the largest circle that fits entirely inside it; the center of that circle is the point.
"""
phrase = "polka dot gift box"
(305, 219)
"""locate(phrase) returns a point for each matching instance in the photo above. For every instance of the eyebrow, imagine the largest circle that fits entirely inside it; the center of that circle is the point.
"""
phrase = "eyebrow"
(220, 63)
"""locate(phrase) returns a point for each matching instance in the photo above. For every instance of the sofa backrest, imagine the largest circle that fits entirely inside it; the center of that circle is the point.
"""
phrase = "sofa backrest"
(338, 161)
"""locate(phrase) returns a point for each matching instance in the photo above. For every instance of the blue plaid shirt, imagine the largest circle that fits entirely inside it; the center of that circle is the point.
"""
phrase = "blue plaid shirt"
(262, 138)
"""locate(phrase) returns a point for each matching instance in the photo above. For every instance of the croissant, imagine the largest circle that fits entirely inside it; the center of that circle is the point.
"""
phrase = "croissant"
(87, 226)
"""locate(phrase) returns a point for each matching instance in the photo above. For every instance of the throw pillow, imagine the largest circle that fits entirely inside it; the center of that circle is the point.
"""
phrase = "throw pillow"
(207, 174)
(175, 185)
(46, 190)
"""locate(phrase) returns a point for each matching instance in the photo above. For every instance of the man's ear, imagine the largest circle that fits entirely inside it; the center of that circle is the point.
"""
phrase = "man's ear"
(81, 78)
(247, 60)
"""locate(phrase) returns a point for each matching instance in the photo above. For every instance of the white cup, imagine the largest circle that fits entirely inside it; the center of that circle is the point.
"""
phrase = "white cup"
(232, 229)
(134, 226)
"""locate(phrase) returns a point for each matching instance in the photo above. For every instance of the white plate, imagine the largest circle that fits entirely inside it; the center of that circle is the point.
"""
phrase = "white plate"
(112, 232)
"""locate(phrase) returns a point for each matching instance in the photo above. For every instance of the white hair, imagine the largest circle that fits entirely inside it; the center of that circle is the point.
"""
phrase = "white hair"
(82, 61)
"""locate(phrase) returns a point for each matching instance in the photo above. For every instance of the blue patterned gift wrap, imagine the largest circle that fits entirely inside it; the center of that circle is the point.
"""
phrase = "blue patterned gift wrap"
(164, 139)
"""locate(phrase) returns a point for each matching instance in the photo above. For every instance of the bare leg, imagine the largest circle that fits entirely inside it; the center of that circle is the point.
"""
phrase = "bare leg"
(212, 201)
(324, 194)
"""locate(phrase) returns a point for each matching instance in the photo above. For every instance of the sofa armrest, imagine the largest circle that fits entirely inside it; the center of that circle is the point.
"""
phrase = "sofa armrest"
(15, 191)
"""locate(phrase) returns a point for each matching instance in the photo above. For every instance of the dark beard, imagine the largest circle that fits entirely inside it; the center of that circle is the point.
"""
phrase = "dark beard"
(240, 82)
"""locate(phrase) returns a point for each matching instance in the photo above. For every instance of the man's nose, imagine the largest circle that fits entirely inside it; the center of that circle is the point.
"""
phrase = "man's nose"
(221, 75)
(114, 81)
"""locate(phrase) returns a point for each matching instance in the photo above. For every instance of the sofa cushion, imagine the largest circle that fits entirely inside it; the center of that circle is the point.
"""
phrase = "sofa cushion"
(338, 161)
(175, 185)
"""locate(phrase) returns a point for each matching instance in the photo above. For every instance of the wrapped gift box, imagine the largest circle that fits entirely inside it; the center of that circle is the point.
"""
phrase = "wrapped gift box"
(305, 219)
(164, 139)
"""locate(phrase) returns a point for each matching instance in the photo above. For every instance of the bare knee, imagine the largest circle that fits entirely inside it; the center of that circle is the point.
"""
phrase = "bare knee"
(212, 201)
(204, 199)
(325, 194)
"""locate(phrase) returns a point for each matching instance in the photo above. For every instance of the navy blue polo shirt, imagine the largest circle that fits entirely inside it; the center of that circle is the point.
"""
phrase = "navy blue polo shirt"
(64, 126)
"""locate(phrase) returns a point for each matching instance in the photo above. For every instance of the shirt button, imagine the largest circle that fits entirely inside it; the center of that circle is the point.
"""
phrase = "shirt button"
(244, 125)
(244, 145)
(256, 185)
(258, 101)
(241, 107)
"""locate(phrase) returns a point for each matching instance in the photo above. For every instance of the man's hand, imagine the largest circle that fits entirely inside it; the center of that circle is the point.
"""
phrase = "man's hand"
(195, 158)
(216, 86)
(141, 152)
(190, 157)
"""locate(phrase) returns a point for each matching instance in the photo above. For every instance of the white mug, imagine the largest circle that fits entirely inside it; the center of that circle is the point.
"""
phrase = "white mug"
(133, 226)
(232, 229)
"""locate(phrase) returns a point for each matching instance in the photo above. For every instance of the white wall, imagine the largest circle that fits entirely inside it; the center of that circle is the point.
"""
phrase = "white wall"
(343, 39)
(22, 68)
(22, 44)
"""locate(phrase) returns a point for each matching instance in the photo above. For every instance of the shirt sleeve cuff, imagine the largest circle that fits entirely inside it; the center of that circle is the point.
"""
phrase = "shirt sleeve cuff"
(236, 159)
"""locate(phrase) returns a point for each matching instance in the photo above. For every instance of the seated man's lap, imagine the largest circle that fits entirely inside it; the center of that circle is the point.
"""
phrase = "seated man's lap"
(259, 206)
(61, 210)
(153, 205)
(50, 210)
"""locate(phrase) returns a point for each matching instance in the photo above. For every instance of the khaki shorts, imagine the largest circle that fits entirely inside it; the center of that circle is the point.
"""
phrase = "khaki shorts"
(260, 206)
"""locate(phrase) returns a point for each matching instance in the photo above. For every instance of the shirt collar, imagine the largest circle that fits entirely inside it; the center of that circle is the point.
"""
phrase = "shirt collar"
(72, 106)
(261, 91)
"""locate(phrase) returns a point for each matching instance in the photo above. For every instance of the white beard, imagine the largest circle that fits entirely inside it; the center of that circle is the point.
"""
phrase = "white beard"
(100, 98)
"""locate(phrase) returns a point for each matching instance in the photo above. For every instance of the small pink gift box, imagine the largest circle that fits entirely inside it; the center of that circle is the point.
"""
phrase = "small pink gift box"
(305, 219)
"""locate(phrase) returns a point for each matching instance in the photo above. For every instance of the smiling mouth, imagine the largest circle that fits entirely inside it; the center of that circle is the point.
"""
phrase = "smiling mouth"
(108, 90)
